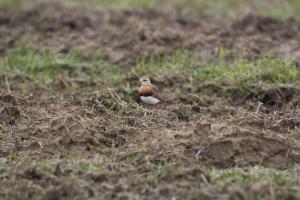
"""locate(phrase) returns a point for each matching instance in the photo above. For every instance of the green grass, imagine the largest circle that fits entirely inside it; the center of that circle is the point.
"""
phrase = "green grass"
(3, 131)
(179, 63)
(216, 181)
(47, 68)
(11, 2)
(222, 8)
(245, 73)
(36, 65)
(233, 8)
(241, 177)
(157, 172)
(229, 68)
(123, 3)
(217, 178)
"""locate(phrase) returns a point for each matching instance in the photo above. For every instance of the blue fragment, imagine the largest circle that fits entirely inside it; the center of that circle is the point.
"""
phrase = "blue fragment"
(199, 152)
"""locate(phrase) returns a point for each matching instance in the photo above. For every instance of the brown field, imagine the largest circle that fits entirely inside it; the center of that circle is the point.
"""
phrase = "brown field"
(72, 125)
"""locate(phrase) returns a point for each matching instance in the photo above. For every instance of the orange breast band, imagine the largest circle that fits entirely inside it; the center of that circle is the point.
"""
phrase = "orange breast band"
(145, 90)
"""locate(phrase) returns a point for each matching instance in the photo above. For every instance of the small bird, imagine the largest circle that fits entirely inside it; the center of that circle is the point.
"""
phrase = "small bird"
(148, 92)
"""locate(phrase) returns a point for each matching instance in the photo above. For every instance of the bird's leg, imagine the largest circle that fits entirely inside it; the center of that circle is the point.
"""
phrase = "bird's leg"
(153, 106)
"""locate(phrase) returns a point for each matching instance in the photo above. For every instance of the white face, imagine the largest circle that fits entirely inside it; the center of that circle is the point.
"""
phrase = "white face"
(145, 80)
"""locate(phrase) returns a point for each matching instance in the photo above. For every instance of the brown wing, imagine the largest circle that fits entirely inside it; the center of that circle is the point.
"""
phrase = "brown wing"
(157, 95)
(155, 87)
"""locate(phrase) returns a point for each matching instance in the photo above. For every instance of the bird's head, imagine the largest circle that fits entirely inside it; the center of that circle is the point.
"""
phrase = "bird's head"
(145, 80)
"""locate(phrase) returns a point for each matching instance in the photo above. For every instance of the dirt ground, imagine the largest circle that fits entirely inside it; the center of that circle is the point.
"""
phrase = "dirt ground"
(147, 152)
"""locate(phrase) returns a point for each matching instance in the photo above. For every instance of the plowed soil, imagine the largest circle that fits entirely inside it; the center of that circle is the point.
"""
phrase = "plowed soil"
(188, 133)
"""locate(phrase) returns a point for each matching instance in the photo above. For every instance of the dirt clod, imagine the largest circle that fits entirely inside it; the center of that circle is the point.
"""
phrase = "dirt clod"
(9, 114)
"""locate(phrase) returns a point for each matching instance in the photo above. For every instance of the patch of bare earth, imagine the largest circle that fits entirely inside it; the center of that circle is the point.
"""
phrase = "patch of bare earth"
(128, 34)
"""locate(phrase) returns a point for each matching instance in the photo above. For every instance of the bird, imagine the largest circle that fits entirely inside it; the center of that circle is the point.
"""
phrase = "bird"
(149, 92)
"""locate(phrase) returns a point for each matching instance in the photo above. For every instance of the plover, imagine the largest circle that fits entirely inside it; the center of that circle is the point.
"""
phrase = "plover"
(148, 92)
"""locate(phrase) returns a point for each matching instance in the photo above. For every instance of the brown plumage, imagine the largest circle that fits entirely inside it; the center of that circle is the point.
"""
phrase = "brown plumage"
(149, 92)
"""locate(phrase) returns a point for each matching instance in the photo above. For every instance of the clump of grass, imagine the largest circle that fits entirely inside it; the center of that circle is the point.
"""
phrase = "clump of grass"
(12, 2)
(180, 62)
(221, 8)
(157, 172)
(39, 66)
(124, 3)
(46, 68)
(244, 73)
(230, 68)
(94, 167)
(235, 9)
(258, 174)
(3, 131)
